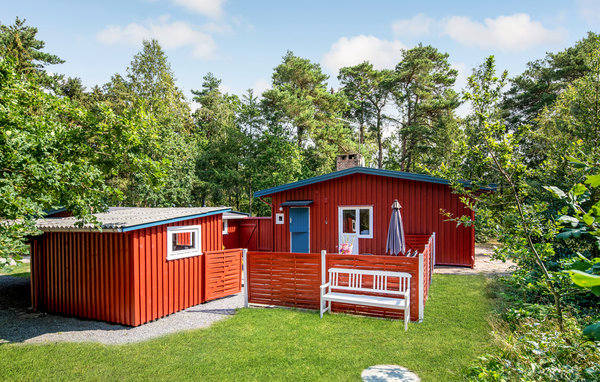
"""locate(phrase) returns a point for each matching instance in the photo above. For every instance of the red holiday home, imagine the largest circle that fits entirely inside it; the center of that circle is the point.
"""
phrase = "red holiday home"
(143, 264)
(353, 205)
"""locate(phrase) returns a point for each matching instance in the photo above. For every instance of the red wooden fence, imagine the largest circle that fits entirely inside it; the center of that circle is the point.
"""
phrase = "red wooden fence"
(256, 234)
(284, 279)
(293, 279)
(222, 273)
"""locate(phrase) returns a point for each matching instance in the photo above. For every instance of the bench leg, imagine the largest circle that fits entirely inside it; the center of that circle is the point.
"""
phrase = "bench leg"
(406, 318)
(321, 310)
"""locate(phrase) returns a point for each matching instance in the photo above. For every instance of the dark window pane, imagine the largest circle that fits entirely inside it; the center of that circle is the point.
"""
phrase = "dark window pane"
(365, 222)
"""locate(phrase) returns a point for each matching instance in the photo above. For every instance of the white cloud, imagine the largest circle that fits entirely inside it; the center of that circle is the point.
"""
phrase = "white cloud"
(507, 33)
(171, 35)
(461, 77)
(224, 88)
(348, 51)
(418, 25)
(210, 8)
(589, 10)
(260, 86)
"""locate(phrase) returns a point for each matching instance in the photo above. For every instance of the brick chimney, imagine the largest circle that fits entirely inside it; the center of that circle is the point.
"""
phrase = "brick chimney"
(345, 161)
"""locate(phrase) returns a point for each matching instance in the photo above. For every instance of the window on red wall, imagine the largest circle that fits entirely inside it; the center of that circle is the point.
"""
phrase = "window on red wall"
(183, 241)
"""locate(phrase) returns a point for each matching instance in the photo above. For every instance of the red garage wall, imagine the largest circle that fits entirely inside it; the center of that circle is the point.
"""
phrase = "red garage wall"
(162, 287)
(232, 239)
(119, 277)
(421, 204)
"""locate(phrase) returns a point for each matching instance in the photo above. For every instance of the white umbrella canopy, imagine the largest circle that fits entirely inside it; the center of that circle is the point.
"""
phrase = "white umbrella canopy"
(395, 239)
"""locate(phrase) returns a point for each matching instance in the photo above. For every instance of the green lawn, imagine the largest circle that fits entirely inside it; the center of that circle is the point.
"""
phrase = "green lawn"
(19, 270)
(280, 344)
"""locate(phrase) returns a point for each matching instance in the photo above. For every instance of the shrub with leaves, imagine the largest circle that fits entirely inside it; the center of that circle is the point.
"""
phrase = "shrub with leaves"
(537, 352)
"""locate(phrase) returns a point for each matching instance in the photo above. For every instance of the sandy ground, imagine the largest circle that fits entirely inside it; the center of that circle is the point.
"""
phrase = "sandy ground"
(483, 265)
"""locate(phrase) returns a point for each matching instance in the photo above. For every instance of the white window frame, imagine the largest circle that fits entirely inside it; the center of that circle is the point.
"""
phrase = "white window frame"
(357, 210)
(188, 252)
(225, 226)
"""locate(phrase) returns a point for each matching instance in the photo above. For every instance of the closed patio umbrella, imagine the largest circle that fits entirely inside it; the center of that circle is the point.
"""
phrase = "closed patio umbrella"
(395, 239)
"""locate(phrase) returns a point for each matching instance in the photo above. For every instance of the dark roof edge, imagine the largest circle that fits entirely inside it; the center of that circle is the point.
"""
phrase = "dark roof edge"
(173, 220)
(356, 170)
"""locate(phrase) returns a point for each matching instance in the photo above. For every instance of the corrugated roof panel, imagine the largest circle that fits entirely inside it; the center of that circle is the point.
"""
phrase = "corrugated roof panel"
(122, 219)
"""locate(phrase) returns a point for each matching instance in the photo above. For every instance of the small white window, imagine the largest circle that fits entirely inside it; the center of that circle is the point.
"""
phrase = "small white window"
(356, 221)
(225, 226)
(183, 242)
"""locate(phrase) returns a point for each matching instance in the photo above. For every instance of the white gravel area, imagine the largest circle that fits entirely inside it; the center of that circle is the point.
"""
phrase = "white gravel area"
(17, 325)
(483, 265)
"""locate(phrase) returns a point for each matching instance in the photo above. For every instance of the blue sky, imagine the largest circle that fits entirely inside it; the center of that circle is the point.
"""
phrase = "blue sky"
(241, 41)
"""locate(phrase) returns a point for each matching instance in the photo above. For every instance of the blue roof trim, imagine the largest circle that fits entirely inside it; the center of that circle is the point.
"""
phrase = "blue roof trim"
(296, 203)
(355, 170)
(174, 220)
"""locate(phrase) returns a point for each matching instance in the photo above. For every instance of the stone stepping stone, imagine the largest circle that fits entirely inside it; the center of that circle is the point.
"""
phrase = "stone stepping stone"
(389, 373)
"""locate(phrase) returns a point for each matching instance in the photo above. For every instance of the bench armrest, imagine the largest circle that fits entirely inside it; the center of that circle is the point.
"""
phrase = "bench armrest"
(326, 285)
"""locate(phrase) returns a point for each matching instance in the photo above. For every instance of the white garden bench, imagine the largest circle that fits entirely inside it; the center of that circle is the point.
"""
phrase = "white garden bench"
(354, 280)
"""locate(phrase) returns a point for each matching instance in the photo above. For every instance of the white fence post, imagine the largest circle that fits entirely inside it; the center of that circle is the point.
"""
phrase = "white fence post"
(420, 294)
(245, 266)
(434, 248)
(323, 267)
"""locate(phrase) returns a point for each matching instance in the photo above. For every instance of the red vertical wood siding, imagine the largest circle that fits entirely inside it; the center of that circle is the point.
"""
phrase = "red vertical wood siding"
(168, 286)
(120, 277)
(80, 274)
(232, 239)
(421, 204)
(256, 234)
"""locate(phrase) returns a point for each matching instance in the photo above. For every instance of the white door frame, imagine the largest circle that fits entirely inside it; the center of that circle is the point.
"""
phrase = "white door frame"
(357, 235)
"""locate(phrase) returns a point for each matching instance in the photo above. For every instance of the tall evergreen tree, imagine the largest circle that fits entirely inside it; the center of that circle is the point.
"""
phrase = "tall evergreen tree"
(300, 102)
(19, 41)
(425, 103)
(368, 92)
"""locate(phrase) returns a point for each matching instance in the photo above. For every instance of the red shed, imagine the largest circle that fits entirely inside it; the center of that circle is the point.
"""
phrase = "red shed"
(145, 263)
(354, 205)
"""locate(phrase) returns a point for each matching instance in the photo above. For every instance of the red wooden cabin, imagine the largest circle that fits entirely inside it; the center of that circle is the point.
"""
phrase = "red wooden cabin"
(145, 263)
(354, 205)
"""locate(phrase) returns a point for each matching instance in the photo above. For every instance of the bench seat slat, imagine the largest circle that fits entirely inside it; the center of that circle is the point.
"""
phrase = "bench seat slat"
(378, 301)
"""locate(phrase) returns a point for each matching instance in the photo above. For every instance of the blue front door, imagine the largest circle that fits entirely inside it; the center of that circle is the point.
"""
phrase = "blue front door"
(299, 230)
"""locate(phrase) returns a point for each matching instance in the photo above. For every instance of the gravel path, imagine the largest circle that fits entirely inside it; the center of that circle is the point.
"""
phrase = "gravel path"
(483, 265)
(17, 325)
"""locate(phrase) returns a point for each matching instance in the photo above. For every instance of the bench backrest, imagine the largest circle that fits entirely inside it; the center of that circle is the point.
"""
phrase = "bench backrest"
(370, 281)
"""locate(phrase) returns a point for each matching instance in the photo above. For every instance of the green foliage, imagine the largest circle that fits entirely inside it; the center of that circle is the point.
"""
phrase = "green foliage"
(300, 103)
(149, 89)
(536, 352)
(543, 81)
(425, 101)
(56, 154)
(19, 42)
(38, 170)
(367, 91)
